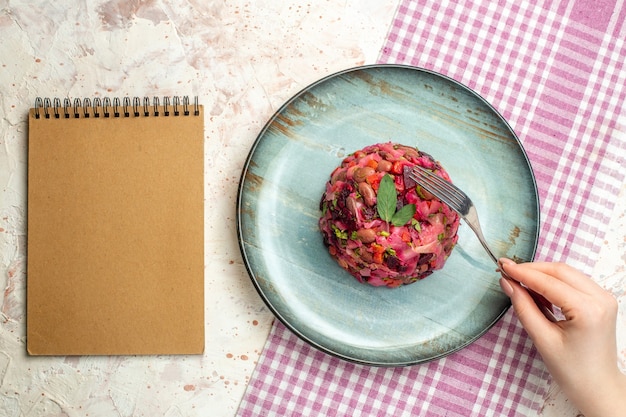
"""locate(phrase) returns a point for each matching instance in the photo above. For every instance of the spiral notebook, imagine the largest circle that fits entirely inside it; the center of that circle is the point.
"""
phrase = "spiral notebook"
(115, 227)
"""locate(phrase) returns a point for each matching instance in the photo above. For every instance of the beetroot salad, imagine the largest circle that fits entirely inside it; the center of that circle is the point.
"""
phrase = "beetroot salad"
(378, 224)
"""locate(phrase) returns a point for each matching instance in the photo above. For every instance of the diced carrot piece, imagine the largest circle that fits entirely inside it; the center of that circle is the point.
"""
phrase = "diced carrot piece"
(378, 257)
(396, 168)
(373, 180)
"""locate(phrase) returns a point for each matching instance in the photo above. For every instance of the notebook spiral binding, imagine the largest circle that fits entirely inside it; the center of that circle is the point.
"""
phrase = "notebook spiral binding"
(106, 107)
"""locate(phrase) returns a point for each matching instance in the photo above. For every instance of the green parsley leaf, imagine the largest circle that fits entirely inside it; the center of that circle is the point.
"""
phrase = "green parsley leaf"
(387, 198)
(387, 201)
(403, 215)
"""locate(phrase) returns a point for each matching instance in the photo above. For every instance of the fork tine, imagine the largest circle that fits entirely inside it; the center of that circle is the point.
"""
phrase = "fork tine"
(440, 188)
(444, 187)
(440, 192)
(436, 179)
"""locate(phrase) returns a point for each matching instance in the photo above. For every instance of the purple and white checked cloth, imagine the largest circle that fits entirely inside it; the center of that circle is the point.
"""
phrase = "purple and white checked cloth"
(556, 71)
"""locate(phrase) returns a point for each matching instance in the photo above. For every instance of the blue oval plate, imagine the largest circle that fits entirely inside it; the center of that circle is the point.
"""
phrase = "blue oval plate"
(278, 209)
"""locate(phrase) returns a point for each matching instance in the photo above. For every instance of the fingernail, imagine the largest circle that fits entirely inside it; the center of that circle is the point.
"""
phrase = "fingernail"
(506, 261)
(506, 286)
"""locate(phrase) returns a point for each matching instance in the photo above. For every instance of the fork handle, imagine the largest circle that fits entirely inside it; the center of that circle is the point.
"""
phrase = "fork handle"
(471, 218)
(542, 302)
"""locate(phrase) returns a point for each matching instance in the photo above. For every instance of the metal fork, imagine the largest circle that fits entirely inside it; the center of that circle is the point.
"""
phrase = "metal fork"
(458, 201)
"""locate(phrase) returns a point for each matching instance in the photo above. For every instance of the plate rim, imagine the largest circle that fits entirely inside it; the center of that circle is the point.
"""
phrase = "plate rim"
(240, 195)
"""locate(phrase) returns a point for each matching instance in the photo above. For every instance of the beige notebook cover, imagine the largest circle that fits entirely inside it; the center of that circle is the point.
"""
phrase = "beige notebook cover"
(115, 229)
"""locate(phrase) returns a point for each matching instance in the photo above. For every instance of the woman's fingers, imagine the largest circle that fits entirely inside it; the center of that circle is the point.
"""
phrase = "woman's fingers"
(562, 285)
(556, 289)
(566, 274)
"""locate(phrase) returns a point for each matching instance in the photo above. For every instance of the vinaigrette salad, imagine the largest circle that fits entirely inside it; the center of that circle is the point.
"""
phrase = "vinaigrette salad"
(378, 224)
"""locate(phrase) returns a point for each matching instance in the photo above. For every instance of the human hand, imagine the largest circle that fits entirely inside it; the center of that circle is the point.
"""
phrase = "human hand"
(581, 351)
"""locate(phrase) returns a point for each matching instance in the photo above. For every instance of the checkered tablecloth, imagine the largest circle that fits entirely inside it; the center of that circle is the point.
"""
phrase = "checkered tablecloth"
(555, 70)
